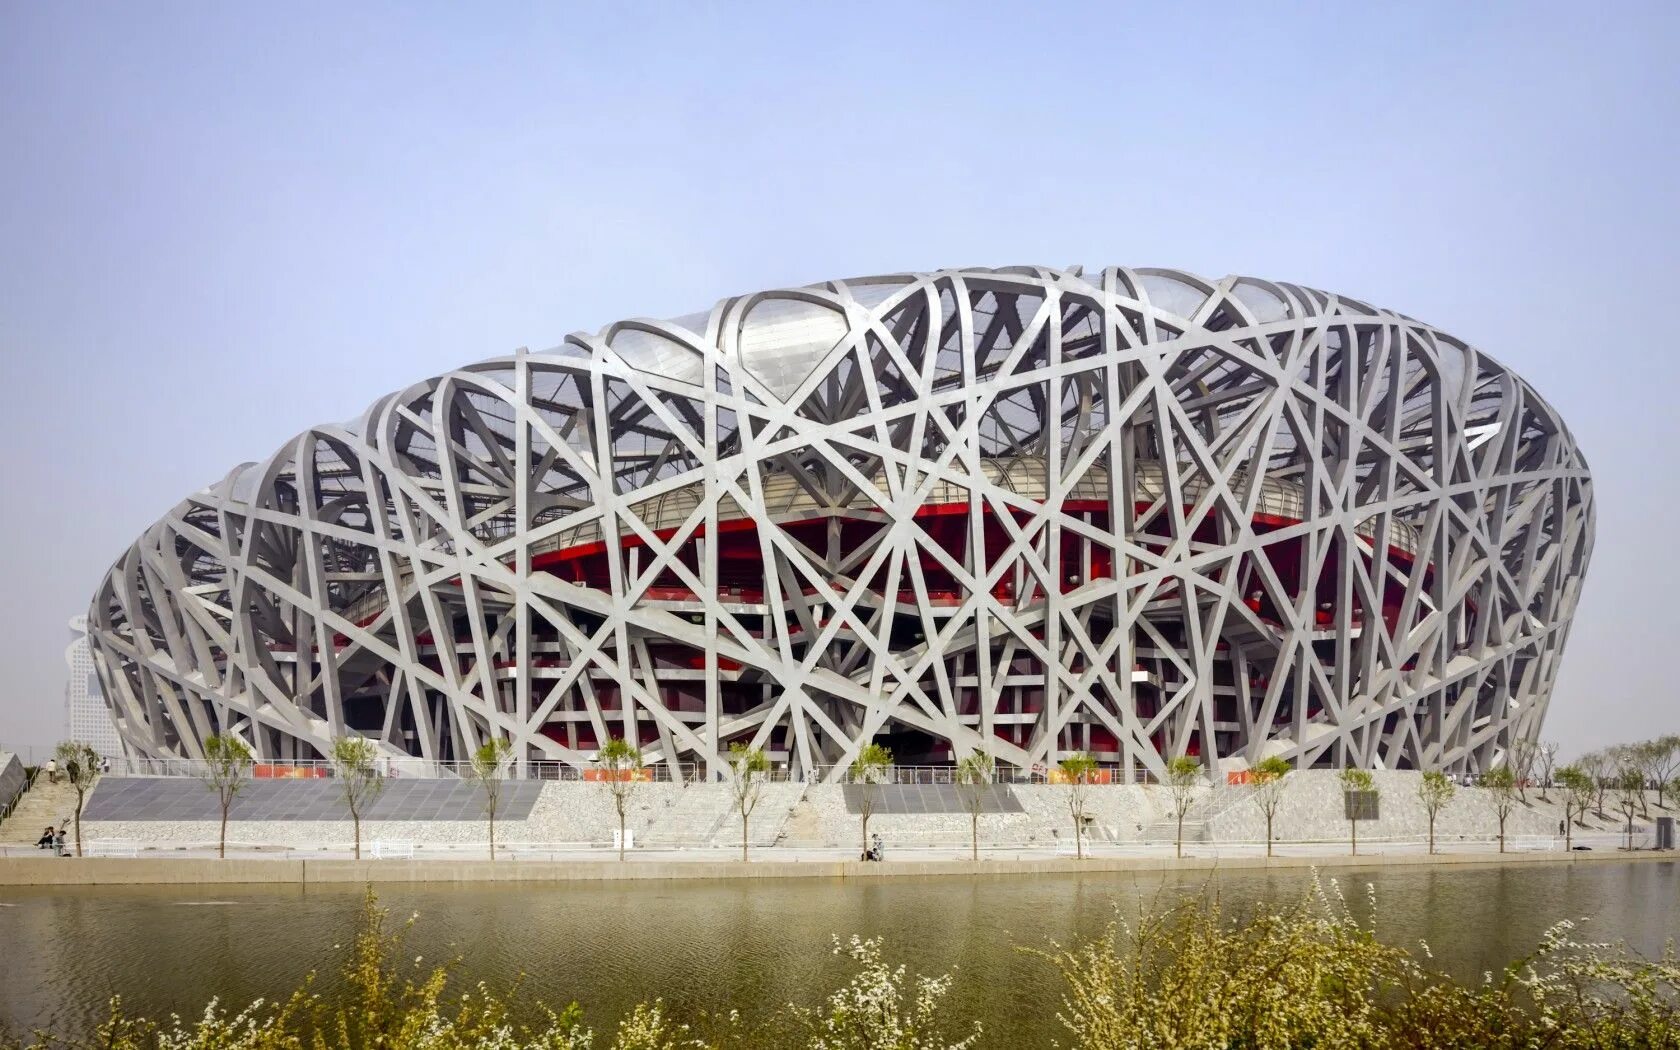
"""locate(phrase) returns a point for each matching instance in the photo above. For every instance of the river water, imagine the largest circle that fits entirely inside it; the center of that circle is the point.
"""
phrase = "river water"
(752, 945)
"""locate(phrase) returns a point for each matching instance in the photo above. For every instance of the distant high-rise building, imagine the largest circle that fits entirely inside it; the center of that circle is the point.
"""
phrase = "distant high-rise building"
(86, 718)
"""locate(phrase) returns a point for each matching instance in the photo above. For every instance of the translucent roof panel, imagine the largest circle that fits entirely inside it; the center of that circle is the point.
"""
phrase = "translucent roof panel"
(783, 340)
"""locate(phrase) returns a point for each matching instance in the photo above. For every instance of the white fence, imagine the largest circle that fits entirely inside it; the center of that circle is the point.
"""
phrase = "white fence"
(654, 771)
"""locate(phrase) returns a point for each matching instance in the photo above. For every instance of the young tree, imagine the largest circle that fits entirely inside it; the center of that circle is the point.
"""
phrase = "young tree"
(1627, 762)
(621, 770)
(1630, 796)
(1649, 757)
(1079, 770)
(974, 778)
(1435, 790)
(1578, 789)
(1596, 765)
(355, 765)
(1355, 782)
(1519, 759)
(79, 763)
(1667, 765)
(489, 769)
(1501, 784)
(1183, 774)
(748, 766)
(869, 769)
(227, 764)
(1266, 780)
(1546, 761)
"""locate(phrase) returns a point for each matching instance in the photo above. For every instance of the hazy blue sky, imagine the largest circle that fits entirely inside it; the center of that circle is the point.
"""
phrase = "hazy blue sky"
(222, 223)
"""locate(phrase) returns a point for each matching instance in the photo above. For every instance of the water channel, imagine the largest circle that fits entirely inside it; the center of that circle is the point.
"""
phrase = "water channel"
(753, 945)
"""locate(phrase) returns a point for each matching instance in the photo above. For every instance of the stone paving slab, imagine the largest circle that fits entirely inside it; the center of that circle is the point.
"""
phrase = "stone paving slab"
(931, 798)
(183, 799)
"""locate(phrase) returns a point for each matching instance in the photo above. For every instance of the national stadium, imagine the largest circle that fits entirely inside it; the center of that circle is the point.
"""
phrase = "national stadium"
(1129, 512)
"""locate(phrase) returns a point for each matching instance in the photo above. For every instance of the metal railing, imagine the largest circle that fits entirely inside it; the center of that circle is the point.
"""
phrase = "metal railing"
(399, 767)
(897, 774)
(8, 806)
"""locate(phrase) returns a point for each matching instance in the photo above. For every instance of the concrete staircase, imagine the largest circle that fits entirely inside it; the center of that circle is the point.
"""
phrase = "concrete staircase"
(693, 820)
(44, 803)
(770, 818)
(704, 816)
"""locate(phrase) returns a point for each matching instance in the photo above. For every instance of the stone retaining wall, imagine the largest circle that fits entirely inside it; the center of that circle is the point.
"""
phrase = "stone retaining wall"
(11, 777)
(815, 816)
(33, 871)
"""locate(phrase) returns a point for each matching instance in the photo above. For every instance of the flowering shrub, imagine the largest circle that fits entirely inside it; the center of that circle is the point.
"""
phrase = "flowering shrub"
(871, 1011)
(1311, 975)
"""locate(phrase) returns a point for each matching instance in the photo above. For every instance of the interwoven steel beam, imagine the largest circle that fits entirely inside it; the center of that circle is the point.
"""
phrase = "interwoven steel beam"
(1133, 512)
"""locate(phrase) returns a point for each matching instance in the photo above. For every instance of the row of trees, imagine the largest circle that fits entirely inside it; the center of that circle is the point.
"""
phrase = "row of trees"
(1625, 772)
(1654, 765)
(228, 762)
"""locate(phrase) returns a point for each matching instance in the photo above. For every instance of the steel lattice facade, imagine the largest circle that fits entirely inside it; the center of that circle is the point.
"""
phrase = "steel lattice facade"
(1131, 512)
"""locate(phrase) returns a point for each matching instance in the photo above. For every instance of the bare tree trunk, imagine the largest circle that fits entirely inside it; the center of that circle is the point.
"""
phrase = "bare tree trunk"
(221, 848)
(356, 823)
(1268, 834)
(974, 836)
(866, 833)
(1353, 825)
(1502, 834)
(492, 837)
(1078, 839)
(743, 838)
(1431, 834)
(79, 823)
(1181, 833)
(620, 829)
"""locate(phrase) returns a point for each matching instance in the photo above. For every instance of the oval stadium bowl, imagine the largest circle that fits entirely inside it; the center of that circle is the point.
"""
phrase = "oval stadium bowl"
(1130, 512)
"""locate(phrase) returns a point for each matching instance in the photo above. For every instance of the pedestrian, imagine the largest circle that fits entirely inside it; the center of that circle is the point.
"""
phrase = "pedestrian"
(52, 770)
(105, 764)
(46, 839)
(58, 843)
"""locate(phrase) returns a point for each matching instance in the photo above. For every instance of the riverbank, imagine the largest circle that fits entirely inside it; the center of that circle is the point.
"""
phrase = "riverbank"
(97, 871)
(713, 946)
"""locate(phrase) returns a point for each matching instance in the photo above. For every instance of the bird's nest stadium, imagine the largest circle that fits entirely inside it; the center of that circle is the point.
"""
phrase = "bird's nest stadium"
(1130, 512)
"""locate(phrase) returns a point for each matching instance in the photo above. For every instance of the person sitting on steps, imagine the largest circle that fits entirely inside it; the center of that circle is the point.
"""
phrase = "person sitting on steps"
(46, 839)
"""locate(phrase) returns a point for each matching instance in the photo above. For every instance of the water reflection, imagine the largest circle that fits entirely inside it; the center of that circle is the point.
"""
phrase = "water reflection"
(65, 951)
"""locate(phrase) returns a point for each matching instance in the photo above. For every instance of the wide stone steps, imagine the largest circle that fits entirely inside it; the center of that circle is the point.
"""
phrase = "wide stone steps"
(770, 817)
(704, 816)
(693, 820)
(44, 803)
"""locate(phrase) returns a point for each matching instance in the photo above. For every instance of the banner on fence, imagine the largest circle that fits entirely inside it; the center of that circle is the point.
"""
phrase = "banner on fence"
(602, 775)
(1094, 776)
(266, 771)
